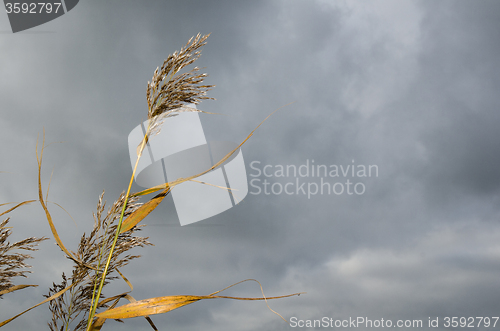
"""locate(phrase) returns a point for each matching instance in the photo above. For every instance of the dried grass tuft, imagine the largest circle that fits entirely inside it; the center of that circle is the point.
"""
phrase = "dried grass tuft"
(12, 262)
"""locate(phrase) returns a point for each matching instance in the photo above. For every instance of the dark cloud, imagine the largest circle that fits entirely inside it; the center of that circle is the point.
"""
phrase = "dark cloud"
(408, 86)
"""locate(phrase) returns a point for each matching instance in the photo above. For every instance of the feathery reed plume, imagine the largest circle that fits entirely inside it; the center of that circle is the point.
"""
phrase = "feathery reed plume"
(92, 251)
(168, 92)
(12, 263)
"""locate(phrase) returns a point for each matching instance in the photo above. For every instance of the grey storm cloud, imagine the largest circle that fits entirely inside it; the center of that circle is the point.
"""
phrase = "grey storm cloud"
(409, 86)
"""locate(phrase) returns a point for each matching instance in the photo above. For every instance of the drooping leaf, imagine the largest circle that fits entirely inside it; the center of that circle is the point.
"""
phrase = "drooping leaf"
(44, 206)
(16, 206)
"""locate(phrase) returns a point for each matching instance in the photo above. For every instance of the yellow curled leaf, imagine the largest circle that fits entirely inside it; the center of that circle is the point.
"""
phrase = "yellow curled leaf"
(151, 306)
(143, 211)
(162, 305)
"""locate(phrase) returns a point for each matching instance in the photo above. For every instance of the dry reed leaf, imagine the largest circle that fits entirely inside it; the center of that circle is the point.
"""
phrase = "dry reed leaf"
(126, 280)
(44, 206)
(16, 206)
(213, 185)
(151, 306)
(230, 190)
(58, 205)
(151, 190)
(99, 321)
(150, 321)
(40, 196)
(143, 211)
(38, 304)
(165, 304)
(15, 288)
(160, 305)
(97, 325)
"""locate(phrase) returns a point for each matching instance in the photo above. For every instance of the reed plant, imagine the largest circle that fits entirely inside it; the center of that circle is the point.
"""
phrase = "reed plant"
(76, 302)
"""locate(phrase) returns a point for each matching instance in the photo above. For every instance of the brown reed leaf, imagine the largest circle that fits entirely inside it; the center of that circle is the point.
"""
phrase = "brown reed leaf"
(150, 321)
(160, 305)
(15, 288)
(151, 306)
(58, 205)
(126, 280)
(44, 206)
(56, 295)
(143, 211)
(16, 206)
(99, 321)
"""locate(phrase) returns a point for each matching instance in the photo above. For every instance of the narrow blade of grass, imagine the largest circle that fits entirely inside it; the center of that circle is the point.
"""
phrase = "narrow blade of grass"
(16, 206)
(44, 206)
(126, 280)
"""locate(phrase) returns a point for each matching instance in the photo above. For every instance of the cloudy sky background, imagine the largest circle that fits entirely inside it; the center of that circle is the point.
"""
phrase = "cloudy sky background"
(409, 86)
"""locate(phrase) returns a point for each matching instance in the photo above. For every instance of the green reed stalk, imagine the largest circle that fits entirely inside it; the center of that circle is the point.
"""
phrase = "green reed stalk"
(95, 301)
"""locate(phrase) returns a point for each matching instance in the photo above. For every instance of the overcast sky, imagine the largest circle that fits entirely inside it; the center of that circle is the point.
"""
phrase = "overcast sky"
(408, 86)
